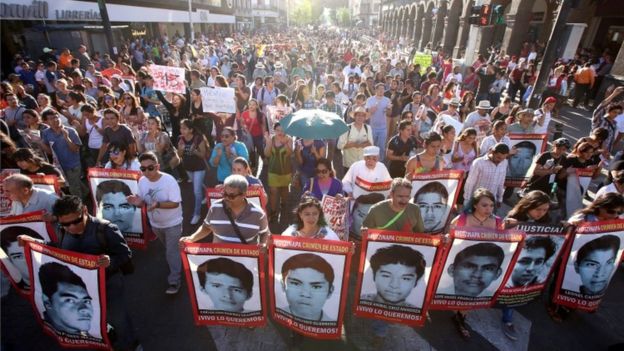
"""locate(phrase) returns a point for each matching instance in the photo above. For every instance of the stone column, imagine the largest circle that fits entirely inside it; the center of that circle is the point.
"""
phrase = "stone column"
(462, 37)
(417, 31)
(519, 14)
(440, 22)
(426, 32)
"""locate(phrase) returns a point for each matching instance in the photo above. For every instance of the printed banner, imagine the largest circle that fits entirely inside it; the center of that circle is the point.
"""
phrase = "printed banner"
(218, 99)
(436, 193)
(255, 194)
(336, 212)
(308, 284)
(476, 266)
(589, 263)
(363, 187)
(396, 276)
(584, 178)
(226, 284)
(69, 296)
(46, 182)
(527, 147)
(5, 201)
(12, 255)
(542, 246)
(359, 210)
(167, 78)
(424, 60)
(110, 188)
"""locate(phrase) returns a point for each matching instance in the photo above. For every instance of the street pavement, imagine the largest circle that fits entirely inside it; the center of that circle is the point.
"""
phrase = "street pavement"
(166, 322)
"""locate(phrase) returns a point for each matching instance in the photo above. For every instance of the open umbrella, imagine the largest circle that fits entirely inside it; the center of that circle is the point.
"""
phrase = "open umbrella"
(314, 124)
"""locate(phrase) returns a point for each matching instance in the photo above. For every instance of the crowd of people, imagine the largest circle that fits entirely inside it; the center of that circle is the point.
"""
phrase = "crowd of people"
(63, 114)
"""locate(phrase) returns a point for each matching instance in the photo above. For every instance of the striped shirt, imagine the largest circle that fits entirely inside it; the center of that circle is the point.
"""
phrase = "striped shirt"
(252, 223)
(486, 174)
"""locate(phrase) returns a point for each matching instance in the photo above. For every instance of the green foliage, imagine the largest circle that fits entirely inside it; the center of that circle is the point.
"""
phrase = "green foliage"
(302, 12)
(343, 16)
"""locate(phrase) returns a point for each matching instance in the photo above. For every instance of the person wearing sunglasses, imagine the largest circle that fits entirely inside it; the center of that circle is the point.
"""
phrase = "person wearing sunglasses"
(161, 194)
(121, 158)
(83, 233)
(115, 132)
(324, 182)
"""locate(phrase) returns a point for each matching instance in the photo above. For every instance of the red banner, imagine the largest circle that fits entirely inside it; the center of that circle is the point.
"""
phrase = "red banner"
(397, 275)
(336, 212)
(109, 188)
(525, 148)
(308, 284)
(12, 255)
(543, 245)
(255, 194)
(435, 193)
(47, 182)
(60, 275)
(226, 284)
(588, 264)
(477, 264)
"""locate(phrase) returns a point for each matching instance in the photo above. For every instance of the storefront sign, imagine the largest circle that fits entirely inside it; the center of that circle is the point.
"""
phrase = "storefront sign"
(37, 9)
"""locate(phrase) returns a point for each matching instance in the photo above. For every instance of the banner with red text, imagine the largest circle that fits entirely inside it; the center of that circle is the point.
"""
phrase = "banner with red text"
(588, 264)
(336, 213)
(226, 284)
(168, 78)
(110, 189)
(524, 149)
(436, 193)
(543, 244)
(476, 266)
(69, 296)
(396, 276)
(12, 255)
(255, 194)
(46, 182)
(308, 281)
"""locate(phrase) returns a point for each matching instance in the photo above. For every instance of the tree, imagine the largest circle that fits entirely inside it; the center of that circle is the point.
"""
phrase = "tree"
(343, 16)
(302, 13)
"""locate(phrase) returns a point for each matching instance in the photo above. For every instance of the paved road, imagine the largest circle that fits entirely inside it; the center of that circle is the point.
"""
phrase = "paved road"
(165, 322)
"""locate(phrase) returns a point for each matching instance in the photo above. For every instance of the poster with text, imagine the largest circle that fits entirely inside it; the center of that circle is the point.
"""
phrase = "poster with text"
(69, 296)
(12, 255)
(584, 178)
(525, 148)
(308, 280)
(46, 182)
(543, 244)
(336, 212)
(359, 210)
(435, 193)
(476, 266)
(255, 194)
(226, 284)
(396, 276)
(589, 263)
(5, 201)
(167, 78)
(110, 189)
(218, 99)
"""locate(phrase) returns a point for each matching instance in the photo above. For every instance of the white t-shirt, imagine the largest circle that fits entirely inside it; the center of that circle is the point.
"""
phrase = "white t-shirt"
(95, 138)
(164, 189)
(606, 189)
(537, 129)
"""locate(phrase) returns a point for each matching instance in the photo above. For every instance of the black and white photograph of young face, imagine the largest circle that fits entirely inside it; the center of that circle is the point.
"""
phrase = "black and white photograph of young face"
(13, 257)
(112, 204)
(308, 284)
(475, 269)
(223, 283)
(396, 274)
(435, 199)
(592, 263)
(535, 260)
(66, 296)
(520, 162)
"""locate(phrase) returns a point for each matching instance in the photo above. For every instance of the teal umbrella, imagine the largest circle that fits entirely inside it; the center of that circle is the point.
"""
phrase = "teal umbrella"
(314, 124)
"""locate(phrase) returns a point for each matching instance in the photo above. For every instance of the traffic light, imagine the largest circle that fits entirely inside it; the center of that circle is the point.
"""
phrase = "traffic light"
(484, 15)
(498, 15)
(475, 15)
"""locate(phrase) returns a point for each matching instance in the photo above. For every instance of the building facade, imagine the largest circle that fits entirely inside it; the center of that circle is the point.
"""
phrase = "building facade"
(365, 12)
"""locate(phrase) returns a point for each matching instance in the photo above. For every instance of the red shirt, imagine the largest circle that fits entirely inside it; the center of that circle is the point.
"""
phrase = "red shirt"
(254, 125)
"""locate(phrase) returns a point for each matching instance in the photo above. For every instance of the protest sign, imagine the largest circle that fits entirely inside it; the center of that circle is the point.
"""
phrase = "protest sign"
(110, 189)
(588, 264)
(308, 280)
(476, 266)
(5, 201)
(255, 194)
(168, 78)
(46, 182)
(336, 212)
(12, 255)
(61, 275)
(218, 99)
(584, 178)
(226, 284)
(527, 147)
(435, 193)
(396, 276)
(360, 209)
(542, 246)
(424, 60)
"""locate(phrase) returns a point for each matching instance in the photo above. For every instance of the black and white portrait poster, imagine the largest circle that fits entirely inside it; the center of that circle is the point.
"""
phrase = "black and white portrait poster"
(255, 194)
(476, 267)
(47, 182)
(435, 193)
(308, 281)
(589, 264)
(69, 296)
(110, 189)
(524, 149)
(543, 244)
(12, 255)
(225, 283)
(396, 276)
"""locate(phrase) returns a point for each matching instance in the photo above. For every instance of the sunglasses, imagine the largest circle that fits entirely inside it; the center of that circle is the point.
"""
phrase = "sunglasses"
(74, 222)
(231, 196)
(115, 152)
(148, 168)
(322, 171)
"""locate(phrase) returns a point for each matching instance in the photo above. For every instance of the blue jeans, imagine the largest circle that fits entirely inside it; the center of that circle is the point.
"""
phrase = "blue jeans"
(379, 140)
(197, 177)
(507, 314)
(117, 313)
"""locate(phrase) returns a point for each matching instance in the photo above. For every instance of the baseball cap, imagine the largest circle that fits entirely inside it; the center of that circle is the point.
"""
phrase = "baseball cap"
(563, 142)
(371, 151)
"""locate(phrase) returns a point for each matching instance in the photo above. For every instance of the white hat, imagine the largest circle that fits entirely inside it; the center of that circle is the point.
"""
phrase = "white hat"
(259, 65)
(278, 64)
(484, 105)
(455, 101)
(371, 151)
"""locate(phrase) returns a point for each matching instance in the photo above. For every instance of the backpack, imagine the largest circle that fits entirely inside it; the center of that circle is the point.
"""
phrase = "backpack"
(126, 268)
(277, 92)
